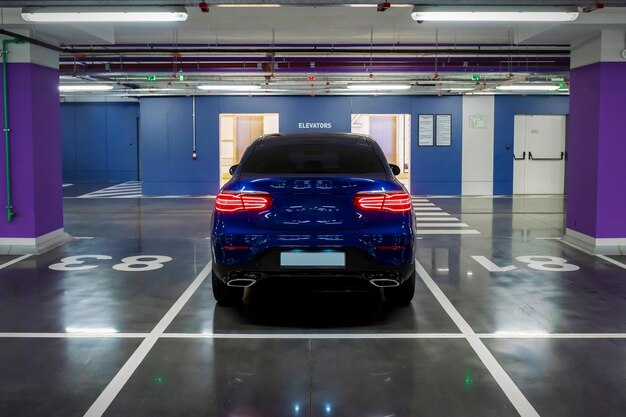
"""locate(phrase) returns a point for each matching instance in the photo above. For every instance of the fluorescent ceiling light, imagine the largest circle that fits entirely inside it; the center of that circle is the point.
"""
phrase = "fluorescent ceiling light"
(247, 5)
(84, 87)
(494, 14)
(527, 87)
(376, 5)
(377, 87)
(230, 87)
(104, 14)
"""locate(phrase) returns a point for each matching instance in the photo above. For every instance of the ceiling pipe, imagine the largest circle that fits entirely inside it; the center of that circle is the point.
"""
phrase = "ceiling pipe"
(69, 70)
(31, 40)
(115, 49)
(299, 59)
(314, 50)
(327, 45)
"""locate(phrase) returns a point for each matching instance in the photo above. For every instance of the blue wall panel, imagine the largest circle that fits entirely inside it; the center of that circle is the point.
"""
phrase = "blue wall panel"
(68, 134)
(253, 104)
(91, 148)
(166, 143)
(295, 112)
(437, 169)
(167, 166)
(506, 107)
(381, 105)
(122, 141)
(166, 136)
(99, 141)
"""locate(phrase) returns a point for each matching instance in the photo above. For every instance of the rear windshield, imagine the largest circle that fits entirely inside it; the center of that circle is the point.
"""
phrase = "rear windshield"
(307, 157)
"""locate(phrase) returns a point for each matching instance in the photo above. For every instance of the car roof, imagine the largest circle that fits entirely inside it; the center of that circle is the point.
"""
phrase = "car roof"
(320, 135)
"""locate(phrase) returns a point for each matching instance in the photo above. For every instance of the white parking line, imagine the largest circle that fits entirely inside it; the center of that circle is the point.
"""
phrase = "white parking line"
(14, 261)
(613, 261)
(513, 393)
(69, 335)
(313, 335)
(107, 396)
(497, 335)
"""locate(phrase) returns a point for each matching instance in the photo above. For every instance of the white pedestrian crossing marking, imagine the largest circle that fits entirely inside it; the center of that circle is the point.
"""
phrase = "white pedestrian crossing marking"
(418, 224)
(432, 220)
(437, 219)
(447, 232)
(130, 189)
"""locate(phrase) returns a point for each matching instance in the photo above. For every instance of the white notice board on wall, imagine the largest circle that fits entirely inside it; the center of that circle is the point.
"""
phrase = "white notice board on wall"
(426, 129)
(444, 129)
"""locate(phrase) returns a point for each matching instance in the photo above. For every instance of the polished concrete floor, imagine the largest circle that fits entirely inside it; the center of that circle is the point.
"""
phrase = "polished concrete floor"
(505, 322)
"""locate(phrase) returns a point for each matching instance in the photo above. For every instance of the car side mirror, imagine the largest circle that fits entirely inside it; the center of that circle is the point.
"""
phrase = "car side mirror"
(232, 169)
(395, 169)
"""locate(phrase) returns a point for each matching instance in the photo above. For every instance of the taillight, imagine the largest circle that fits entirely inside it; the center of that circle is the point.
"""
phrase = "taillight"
(230, 202)
(396, 202)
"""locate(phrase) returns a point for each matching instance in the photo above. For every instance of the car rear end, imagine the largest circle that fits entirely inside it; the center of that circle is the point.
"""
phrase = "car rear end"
(313, 207)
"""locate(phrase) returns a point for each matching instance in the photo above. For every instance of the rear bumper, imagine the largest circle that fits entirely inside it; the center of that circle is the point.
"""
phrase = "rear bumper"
(361, 268)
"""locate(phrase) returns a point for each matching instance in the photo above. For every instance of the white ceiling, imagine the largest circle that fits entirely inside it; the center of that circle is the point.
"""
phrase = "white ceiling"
(338, 24)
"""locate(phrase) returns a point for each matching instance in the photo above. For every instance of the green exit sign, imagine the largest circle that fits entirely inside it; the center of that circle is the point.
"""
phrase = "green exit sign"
(151, 77)
(181, 77)
(475, 77)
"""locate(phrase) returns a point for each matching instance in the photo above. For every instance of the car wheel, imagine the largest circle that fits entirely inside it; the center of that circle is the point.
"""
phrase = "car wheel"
(403, 294)
(226, 296)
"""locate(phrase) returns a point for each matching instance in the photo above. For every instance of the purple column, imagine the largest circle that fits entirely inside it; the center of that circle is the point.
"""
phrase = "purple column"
(35, 160)
(596, 173)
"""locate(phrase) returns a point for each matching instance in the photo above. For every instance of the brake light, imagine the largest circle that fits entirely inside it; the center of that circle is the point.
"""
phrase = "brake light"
(396, 202)
(231, 202)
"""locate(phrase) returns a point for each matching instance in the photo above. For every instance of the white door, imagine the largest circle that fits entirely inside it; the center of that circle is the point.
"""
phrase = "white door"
(539, 167)
(519, 155)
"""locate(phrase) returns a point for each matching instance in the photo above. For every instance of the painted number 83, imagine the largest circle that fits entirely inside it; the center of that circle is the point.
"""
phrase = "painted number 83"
(140, 263)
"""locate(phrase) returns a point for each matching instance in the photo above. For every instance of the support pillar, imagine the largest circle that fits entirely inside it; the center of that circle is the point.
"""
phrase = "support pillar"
(596, 167)
(34, 174)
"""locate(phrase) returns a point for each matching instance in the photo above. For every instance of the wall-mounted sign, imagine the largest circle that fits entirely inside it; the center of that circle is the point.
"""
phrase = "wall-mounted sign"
(444, 130)
(478, 122)
(426, 129)
(316, 125)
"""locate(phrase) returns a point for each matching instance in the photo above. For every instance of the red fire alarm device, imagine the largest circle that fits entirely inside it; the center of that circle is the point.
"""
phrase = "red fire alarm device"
(383, 6)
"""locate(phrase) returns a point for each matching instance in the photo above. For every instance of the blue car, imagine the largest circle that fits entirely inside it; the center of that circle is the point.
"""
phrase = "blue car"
(324, 208)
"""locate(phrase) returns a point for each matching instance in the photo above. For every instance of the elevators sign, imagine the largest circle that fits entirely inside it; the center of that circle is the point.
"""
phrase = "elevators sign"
(444, 130)
(426, 129)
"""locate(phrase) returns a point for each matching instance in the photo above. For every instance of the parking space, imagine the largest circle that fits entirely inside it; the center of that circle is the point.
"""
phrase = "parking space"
(98, 285)
(566, 377)
(504, 323)
(550, 315)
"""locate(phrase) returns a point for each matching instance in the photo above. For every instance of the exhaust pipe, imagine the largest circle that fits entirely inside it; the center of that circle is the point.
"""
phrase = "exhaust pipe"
(384, 282)
(241, 282)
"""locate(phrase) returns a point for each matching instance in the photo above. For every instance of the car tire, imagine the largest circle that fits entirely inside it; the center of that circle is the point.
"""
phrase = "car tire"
(224, 295)
(403, 294)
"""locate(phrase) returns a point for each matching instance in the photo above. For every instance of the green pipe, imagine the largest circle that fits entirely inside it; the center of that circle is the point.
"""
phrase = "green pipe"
(5, 100)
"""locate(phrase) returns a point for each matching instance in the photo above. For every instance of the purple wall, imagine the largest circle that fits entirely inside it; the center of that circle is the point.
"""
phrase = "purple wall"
(34, 120)
(596, 185)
